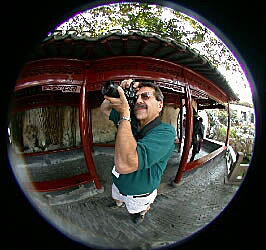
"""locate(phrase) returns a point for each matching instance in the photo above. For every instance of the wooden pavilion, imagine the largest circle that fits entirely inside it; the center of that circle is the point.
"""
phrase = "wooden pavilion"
(70, 69)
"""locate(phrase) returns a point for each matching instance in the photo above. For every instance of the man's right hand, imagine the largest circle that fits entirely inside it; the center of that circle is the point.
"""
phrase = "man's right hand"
(126, 84)
(106, 106)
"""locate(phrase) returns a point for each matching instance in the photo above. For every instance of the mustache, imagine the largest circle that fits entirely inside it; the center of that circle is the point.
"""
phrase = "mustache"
(141, 106)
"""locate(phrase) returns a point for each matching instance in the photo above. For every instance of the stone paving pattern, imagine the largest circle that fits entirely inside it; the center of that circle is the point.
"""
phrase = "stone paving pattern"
(176, 213)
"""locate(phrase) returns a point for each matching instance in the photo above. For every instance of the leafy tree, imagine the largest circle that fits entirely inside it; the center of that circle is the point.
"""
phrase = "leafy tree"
(220, 117)
(241, 137)
(152, 18)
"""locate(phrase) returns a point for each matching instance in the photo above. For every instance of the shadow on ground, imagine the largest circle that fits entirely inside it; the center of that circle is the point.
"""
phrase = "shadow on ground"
(83, 213)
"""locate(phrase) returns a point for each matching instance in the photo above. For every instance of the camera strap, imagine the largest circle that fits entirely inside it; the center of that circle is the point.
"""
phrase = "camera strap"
(156, 122)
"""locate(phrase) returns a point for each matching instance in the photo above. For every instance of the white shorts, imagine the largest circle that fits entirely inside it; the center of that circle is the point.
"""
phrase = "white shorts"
(134, 204)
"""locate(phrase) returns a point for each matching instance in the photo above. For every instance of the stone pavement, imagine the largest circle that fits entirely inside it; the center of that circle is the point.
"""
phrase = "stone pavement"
(176, 213)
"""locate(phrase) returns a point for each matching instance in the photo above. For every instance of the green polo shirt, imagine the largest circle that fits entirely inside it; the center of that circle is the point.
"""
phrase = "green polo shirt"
(154, 151)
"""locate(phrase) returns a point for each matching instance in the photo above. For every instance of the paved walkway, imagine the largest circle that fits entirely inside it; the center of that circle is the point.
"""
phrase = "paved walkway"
(176, 213)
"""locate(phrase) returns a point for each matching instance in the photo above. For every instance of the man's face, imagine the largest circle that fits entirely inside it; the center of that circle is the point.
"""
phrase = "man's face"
(147, 107)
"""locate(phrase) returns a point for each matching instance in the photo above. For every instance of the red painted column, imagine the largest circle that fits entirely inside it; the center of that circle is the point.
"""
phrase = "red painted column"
(188, 137)
(90, 129)
(181, 121)
(84, 131)
(228, 126)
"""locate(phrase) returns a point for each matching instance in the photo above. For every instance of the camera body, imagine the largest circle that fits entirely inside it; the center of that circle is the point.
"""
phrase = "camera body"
(110, 89)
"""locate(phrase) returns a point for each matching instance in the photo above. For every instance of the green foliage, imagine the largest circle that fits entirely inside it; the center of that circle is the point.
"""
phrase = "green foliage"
(151, 18)
(233, 116)
(222, 132)
(241, 136)
(232, 133)
(221, 117)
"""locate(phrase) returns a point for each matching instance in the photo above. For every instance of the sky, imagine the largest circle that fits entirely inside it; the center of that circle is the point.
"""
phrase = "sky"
(242, 89)
(238, 82)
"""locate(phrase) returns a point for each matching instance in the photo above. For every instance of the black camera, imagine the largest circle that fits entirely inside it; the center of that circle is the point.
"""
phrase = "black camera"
(110, 89)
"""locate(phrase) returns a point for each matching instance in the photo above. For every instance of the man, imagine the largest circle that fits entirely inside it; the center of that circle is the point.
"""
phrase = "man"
(197, 135)
(143, 146)
(202, 128)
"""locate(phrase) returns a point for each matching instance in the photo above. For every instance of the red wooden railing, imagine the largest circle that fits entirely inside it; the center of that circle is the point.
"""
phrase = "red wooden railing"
(89, 76)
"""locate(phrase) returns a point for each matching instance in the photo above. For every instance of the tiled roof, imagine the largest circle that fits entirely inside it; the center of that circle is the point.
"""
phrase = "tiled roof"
(70, 44)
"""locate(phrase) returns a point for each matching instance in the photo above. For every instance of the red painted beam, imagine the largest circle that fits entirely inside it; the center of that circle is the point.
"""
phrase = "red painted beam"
(71, 72)
(140, 67)
(201, 161)
(59, 184)
(51, 71)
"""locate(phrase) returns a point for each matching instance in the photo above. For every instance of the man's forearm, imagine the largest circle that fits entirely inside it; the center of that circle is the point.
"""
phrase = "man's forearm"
(126, 156)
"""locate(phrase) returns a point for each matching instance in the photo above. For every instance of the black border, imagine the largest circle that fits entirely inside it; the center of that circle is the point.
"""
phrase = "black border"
(26, 23)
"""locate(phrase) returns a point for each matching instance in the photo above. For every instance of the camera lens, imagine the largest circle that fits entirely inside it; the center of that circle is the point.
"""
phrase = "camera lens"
(110, 89)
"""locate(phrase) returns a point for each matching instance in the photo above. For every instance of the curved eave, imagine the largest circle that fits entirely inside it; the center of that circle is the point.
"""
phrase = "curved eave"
(134, 43)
